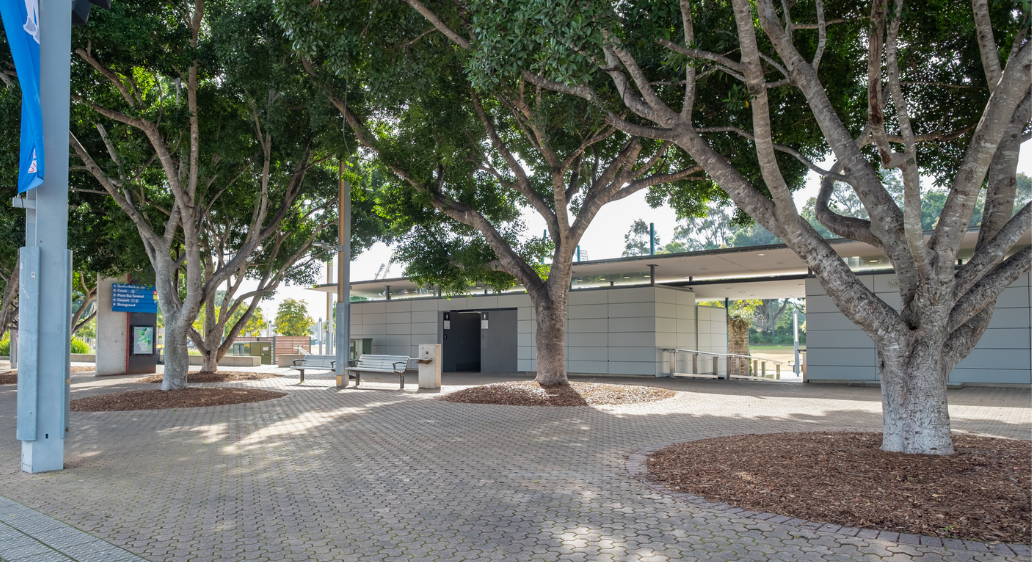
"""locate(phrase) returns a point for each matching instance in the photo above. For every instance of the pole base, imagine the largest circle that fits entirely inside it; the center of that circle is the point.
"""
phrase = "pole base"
(342, 381)
(42, 455)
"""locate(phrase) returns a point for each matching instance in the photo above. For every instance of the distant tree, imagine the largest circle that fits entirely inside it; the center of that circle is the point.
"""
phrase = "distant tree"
(636, 241)
(256, 325)
(768, 313)
(292, 318)
(674, 247)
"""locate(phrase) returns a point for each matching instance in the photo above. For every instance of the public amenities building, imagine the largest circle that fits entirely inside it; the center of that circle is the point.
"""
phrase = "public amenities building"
(627, 315)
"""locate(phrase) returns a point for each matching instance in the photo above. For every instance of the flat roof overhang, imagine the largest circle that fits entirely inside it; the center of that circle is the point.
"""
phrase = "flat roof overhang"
(755, 272)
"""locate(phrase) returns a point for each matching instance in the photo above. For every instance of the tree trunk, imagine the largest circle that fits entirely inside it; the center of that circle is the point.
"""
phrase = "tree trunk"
(210, 362)
(915, 414)
(550, 315)
(177, 357)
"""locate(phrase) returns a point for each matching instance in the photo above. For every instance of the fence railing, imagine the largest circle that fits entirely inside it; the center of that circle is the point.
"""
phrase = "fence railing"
(708, 363)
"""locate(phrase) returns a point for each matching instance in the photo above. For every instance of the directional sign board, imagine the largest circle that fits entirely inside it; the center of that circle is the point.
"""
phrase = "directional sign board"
(134, 298)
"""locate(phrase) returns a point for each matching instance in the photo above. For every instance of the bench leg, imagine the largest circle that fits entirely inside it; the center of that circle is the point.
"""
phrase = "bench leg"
(302, 375)
(402, 381)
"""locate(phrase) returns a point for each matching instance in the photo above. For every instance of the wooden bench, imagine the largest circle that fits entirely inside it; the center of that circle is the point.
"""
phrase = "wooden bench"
(326, 362)
(391, 364)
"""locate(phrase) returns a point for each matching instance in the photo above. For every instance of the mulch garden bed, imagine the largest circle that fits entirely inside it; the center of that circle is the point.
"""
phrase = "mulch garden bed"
(163, 400)
(983, 492)
(208, 376)
(11, 377)
(530, 393)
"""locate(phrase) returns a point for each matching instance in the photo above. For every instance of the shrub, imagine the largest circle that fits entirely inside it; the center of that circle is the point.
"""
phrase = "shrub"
(5, 344)
(80, 346)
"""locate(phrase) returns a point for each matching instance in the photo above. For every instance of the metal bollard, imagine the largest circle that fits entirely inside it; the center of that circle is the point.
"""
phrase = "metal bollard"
(777, 371)
(764, 364)
(755, 367)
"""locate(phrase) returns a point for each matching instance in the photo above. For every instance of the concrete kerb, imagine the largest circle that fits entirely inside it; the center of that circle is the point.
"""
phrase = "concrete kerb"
(637, 469)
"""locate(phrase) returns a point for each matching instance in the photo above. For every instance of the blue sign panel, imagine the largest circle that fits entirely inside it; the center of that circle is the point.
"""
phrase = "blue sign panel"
(21, 23)
(134, 298)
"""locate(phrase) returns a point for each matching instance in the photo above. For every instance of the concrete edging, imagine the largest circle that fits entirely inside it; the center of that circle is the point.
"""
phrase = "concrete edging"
(637, 469)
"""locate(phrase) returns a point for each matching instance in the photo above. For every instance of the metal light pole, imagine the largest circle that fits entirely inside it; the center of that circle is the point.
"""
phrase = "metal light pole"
(328, 327)
(343, 280)
(45, 290)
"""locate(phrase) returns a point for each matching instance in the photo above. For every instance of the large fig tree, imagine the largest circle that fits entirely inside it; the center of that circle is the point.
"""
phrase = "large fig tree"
(928, 87)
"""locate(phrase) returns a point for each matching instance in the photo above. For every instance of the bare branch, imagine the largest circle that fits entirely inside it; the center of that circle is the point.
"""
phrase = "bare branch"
(437, 23)
(987, 43)
(787, 150)
(987, 289)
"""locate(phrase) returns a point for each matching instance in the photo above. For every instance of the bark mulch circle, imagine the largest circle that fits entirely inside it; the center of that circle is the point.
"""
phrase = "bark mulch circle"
(983, 492)
(221, 376)
(195, 397)
(11, 377)
(530, 393)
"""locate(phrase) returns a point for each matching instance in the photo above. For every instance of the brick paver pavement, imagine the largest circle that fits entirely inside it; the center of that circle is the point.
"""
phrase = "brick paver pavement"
(380, 474)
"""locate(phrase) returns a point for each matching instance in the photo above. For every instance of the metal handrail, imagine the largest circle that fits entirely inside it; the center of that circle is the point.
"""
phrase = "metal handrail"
(716, 364)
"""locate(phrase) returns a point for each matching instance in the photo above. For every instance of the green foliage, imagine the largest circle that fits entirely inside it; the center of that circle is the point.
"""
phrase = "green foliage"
(88, 330)
(80, 346)
(5, 344)
(292, 318)
(415, 91)
(256, 325)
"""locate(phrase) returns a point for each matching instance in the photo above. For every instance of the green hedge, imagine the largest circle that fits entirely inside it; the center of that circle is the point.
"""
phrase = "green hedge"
(80, 346)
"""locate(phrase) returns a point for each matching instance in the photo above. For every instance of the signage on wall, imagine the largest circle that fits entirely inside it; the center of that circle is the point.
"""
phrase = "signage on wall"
(483, 320)
(134, 298)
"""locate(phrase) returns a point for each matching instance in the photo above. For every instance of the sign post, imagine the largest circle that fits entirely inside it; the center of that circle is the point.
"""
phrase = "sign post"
(45, 292)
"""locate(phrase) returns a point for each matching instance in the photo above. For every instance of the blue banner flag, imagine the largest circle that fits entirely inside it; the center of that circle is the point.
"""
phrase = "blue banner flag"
(21, 22)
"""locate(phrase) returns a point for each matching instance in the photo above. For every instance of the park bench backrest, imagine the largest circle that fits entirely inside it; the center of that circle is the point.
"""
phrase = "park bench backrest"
(393, 363)
(318, 361)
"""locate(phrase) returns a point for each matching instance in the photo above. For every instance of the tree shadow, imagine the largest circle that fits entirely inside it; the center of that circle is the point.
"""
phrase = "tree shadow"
(375, 467)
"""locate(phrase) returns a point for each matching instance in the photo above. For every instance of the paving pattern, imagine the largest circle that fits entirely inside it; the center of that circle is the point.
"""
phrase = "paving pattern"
(381, 474)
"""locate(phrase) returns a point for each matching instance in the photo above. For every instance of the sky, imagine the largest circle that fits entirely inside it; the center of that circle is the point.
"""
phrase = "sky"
(603, 239)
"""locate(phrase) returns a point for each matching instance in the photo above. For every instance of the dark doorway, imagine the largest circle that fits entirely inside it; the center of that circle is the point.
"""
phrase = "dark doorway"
(461, 341)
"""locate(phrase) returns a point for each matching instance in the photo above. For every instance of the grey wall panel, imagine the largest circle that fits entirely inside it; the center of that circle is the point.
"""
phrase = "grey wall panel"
(997, 376)
(629, 324)
(588, 325)
(993, 359)
(840, 373)
(587, 311)
(1004, 338)
(588, 354)
(1003, 353)
(832, 357)
(829, 321)
(588, 367)
(1009, 318)
(632, 310)
(630, 339)
(819, 338)
(588, 339)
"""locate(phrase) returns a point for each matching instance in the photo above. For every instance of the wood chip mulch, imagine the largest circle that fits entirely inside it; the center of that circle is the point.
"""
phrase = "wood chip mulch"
(983, 492)
(163, 400)
(221, 376)
(11, 377)
(530, 393)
